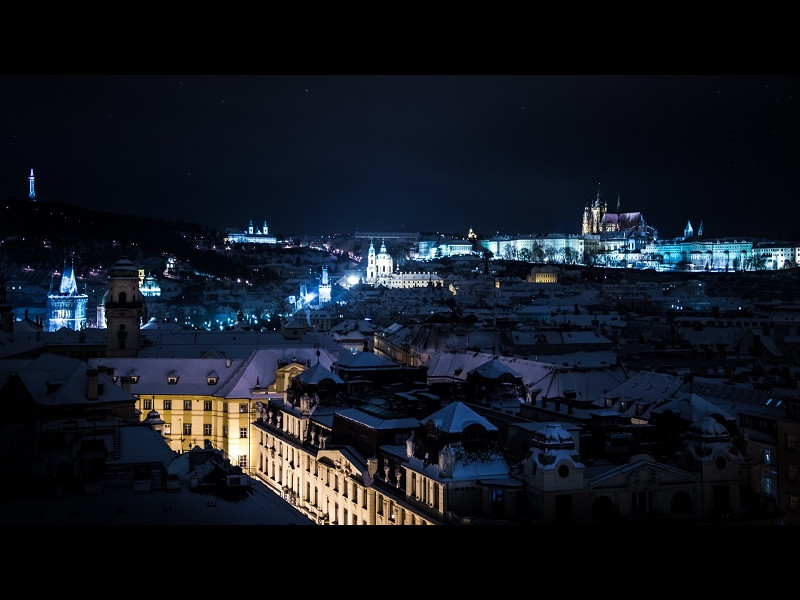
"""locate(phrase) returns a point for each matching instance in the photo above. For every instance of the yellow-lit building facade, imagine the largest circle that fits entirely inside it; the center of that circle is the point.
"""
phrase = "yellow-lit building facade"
(332, 486)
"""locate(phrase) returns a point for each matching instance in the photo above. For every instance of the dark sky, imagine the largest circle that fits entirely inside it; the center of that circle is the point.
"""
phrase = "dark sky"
(319, 154)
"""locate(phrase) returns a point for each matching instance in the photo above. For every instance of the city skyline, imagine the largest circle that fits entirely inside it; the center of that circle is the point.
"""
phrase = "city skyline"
(317, 154)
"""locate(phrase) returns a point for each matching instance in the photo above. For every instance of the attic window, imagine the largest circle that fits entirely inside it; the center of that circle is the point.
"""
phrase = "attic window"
(212, 378)
(172, 378)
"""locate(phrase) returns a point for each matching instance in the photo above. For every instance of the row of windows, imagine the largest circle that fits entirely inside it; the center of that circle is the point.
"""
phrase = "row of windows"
(207, 430)
(147, 404)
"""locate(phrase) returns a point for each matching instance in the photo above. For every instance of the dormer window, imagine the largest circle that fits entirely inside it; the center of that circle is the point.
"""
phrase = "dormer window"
(212, 378)
(172, 378)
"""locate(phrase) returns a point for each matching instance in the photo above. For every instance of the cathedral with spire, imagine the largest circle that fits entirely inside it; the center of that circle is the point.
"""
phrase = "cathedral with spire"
(597, 219)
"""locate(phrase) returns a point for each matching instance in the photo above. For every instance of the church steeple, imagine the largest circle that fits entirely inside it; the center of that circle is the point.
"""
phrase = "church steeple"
(31, 192)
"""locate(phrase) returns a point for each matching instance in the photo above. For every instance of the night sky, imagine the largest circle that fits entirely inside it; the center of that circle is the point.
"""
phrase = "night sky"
(321, 154)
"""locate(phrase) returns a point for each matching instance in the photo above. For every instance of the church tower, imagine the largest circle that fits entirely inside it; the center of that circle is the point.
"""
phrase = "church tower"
(66, 307)
(688, 231)
(371, 272)
(324, 288)
(123, 305)
(598, 211)
(31, 192)
(586, 226)
(384, 265)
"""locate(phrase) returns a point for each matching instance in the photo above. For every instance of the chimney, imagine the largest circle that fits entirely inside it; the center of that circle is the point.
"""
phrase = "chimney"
(91, 384)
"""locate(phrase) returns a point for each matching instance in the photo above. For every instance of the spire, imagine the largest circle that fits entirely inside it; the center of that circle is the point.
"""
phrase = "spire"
(700, 230)
(31, 192)
(68, 284)
(618, 202)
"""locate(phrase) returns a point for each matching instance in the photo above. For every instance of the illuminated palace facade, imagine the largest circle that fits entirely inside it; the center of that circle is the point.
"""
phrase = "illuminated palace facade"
(251, 236)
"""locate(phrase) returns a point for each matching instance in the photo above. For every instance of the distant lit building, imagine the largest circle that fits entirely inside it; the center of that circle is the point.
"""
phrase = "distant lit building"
(251, 236)
(543, 274)
(380, 272)
(66, 307)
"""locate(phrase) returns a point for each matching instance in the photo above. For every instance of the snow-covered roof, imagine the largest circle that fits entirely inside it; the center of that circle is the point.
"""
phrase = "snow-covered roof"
(259, 370)
(191, 376)
(54, 380)
(376, 422)
(317, 373)
(691, 407)
(456, 416)
(492, 369)
(365, 360)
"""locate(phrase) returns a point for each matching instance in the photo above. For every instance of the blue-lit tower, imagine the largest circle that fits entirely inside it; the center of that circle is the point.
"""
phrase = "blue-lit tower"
(324, 288)
(67, 306)
(31, 192)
